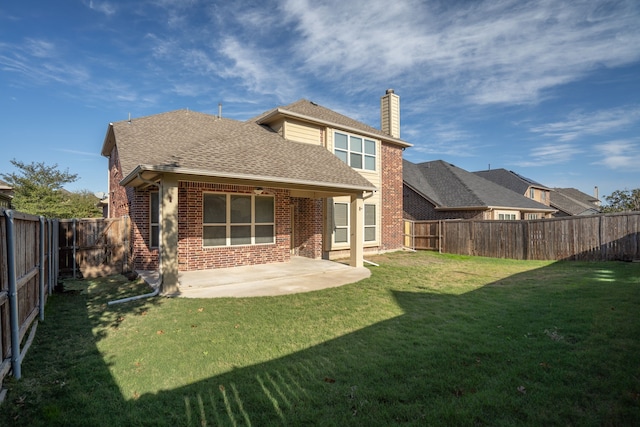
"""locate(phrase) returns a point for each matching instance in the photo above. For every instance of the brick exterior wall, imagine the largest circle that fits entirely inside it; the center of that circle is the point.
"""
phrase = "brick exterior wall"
(119, 197)
(144, 257)
(391, 227)
(193, 256)
(307, 227)
(416, 208)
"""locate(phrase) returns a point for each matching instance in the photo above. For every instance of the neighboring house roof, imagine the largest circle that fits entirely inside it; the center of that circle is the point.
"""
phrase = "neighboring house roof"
(573, 202)
(310, 111)
(511, 180)
(450, 187)
(5, 186)
(193, 143)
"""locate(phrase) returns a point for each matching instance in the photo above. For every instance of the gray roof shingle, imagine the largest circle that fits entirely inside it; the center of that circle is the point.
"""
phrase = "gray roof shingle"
(509, 179)
(573, 201)
(449, 186)
(193, 142)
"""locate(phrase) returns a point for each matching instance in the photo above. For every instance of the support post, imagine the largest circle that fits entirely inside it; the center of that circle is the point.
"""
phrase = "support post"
(357, 230)
(169, 234)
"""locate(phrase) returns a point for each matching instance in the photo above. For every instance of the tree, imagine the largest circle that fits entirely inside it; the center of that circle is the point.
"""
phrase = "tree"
(623, 201)
(38, 190)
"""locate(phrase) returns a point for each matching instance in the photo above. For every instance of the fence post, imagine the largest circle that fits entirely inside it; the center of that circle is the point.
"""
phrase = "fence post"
(73, 226)
(13, 295)
(41, 270)
(51, 258)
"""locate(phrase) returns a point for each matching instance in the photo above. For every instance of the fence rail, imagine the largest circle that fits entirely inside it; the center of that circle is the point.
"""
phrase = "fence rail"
(595, 238)
(28, 261)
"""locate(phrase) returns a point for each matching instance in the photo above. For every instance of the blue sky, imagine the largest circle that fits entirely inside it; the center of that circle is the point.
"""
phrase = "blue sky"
(548, 89)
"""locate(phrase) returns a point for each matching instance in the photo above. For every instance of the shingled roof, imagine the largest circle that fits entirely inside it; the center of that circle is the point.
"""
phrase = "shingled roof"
(194, 143)
(448, 186)
(509, 179)
(308, 110)
(573, 201)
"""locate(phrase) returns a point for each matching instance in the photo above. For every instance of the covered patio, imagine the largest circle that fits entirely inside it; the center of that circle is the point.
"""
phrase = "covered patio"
(298, 275)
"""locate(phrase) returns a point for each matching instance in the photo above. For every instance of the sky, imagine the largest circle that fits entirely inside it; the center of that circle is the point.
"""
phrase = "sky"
(547, 89)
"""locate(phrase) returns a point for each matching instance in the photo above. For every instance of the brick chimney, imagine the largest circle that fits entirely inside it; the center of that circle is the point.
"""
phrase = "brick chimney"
(390, 114)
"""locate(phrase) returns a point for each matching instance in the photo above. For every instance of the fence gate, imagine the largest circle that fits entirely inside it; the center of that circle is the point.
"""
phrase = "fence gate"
(94, 247)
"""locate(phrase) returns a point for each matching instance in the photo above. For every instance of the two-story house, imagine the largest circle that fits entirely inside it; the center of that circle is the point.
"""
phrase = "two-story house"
(521, 185)
(206, 192)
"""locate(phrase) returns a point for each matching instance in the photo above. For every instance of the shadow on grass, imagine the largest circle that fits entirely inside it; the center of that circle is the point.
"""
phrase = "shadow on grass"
(510, 353)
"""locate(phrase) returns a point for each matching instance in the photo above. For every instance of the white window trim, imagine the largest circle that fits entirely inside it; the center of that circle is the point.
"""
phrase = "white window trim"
(367, 243)
(348, 151)
(228, 224)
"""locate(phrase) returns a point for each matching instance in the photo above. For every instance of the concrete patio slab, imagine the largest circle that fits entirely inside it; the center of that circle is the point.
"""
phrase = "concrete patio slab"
(299, 275)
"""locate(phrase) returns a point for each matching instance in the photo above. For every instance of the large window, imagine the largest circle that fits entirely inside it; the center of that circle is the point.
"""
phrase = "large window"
(234, 219)
(154, 223)
(341, 223)
(357, 152)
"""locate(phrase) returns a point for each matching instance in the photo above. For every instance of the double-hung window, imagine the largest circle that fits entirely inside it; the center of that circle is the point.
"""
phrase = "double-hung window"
(341, 223)
(357, 152)
(154, 222)
(237, 219)
(369, 223)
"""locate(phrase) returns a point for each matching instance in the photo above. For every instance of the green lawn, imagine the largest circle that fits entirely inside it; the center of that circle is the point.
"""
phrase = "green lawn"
(429, 339)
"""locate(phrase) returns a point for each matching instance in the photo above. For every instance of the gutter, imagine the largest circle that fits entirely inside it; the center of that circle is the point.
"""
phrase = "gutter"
(156, 291)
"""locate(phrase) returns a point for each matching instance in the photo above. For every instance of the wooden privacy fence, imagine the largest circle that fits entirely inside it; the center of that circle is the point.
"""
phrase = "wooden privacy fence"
(593, 238)
(94, 247)
(28, 271)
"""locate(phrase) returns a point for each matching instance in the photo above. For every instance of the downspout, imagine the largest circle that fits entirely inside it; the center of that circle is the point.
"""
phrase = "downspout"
(156, 291)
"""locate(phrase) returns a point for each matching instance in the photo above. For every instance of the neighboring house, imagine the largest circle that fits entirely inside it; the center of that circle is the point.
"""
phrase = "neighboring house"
(573, 202)
(6, 194)
(440, 190)
(518, 183)
(209, 192)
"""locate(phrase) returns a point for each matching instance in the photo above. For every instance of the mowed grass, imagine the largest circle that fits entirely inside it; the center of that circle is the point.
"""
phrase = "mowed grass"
(429, 339)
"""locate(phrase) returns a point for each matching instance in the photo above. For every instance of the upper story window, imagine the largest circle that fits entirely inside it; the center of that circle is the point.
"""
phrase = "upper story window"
(357, 152)
(532, 193)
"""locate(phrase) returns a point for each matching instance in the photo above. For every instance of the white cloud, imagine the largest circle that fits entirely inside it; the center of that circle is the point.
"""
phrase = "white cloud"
(256, 71)
(504, 51)
(550, 154)
(618, 154)
(103, 7)
(592, 123)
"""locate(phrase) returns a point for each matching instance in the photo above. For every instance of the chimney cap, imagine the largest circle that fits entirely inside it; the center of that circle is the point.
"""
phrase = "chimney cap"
(390, 91)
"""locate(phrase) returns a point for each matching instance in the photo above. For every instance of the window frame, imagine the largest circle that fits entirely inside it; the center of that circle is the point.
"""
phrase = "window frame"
(229, 224)
(154, 227)
(348, 153)
(346, 227)
(373, 226)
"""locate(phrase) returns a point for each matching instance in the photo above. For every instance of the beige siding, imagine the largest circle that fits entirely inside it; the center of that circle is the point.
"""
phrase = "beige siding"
(303, 132)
